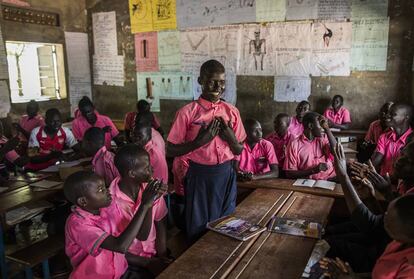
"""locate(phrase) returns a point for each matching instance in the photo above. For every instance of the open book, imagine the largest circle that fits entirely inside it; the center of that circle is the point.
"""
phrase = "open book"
(235, 227)
(294, 226)
(315, 183)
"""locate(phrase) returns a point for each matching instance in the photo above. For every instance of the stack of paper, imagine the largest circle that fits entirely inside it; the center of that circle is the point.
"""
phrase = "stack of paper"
(45, 185)
(24, 213)
(328, 185)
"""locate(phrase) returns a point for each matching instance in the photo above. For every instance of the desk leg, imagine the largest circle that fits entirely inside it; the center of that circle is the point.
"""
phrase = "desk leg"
(3, 265)
(46, 271)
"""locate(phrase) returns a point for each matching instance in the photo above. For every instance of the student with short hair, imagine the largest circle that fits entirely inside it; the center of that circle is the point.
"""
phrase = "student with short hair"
(296, 127)
(338, 116)
(258, 159)
(144, 119)
(309, 155)
(379, 126)
(95, 248)
(47, 142)
(281, 136)
(88, 118)
(93, 145)
(210, 132)
(8, 154)
(389, 144)
(29, 121)
(135, 175)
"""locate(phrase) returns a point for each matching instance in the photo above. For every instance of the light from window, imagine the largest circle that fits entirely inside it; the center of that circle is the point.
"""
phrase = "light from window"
(36, 71)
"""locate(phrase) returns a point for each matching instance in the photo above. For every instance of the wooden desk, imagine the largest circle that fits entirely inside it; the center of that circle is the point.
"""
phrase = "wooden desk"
(287, 184)
(214, 253)
(13, 185)
(284, 256)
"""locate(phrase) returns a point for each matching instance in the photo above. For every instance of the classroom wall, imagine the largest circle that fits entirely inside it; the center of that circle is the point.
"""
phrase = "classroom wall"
(364, 92)
(72, 16)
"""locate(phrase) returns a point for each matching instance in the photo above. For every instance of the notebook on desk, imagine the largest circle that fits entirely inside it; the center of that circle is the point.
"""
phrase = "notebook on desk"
(297, 227)
(235, 227)
(323, 184)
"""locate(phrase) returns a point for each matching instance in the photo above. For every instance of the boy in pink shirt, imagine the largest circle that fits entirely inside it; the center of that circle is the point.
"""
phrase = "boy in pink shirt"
(93, 145)
(258, 159)
(337, 115)
(94, 249)
(210, 132)
(309, 155)
(29, 121)
(390, 144)
(135, 172)
(296, 126)
(379, 126)
(144, 119)
(142, 136)
(280, 137)
(91, 118)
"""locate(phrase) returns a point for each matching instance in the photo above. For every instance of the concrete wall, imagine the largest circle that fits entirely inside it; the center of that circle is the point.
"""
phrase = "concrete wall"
(72, 16)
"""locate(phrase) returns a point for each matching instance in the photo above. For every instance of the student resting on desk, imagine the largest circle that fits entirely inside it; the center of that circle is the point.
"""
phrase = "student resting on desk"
(309, 155)
(397, 261)
(130, 118)
(29, 121)
(47, 142)
(280, 137)
(296, 125)
(91, 118)
(210, 131)
(127, 190)
(390, 143)
(93, 145)
(258, 159)
(95, 249)
(142, 136)
(337, 115)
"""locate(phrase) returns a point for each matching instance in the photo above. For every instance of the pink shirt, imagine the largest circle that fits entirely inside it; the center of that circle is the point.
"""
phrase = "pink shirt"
(258, 159)
(190, 118)
(10, 156)
(103, 165)
(374, 132)
(130, 117)
(390, 146)
(295, 128)
(341, 117)
(395, 263)
(158, 140)
(303, 154)
(280, 144)
(29, 124)
(125, 210)
(179, 170)
(80, 125)
(157, 161)
(84, 234)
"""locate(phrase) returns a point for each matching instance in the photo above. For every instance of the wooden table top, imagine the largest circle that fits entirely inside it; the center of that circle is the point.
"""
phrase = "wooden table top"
(350, 133)
(287, 184)
(214, 254)
(284, 256)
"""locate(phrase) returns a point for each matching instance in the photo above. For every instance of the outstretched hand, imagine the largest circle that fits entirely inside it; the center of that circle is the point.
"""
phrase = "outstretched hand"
(340, 160)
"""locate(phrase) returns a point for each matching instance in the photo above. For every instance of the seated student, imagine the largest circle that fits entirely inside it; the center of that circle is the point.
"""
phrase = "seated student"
(8, 153)
(126, 190)
(309, 155)
(29, 121)
(379, 126)
(93, 145)
(142, 136)
(47, 142)
(94, 249)
(337, 115)
(390, 143)
(281, 136)
(296, 126)
(91, 118)
(130, 118)
(144, 118)
(258, 159)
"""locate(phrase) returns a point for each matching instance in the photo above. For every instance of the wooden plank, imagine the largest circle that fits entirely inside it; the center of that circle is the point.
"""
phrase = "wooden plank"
(287, 184)
(350, 133)
(284, 256)
(214, 252)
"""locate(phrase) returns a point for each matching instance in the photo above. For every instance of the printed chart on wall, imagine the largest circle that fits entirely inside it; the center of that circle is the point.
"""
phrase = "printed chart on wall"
(301, 9)
(146, 52)
(292, 89)
(169, 56)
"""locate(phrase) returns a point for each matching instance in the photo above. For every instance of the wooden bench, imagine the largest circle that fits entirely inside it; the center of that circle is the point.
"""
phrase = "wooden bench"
(38, 253)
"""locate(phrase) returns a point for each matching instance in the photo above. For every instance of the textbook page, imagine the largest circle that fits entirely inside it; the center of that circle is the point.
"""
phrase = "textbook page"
(324, 184)
(304, 182)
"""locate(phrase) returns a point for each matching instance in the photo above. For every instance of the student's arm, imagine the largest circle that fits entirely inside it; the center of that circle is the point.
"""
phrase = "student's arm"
(343, 126)
(36, 158)
(146, 226)
(161, 240)
(332, 141)
(377, 159)
(306, 173)
(273, 173)
(121, 243)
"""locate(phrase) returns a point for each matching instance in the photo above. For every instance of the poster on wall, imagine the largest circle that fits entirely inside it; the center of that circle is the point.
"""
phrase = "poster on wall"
(270, 10)
(4, 99)
(169, 55)
(301, 9)
(104, 34)
(4, 70)
(108, 70)
(334, 9)
(194, 45)
(369, 9)
(146, 52)
(292, 89)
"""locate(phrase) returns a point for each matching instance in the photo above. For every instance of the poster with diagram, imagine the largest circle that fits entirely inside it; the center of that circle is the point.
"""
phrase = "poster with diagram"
(270, 10)
(292, 89)
(146, 52)
(223, 44)
(152, 15)
(169, 55)
(301, 9)
(194, 45)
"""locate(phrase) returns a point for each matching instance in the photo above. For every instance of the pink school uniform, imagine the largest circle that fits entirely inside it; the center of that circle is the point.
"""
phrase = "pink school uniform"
(190, 118)
(341, 117)
(374, 132)
(295, 128)
(158, 140)
(10, 156)
(395, 263)
(125, 210)
(390, 147)
(84, 234)
(258, 159)
(157, 161)
(179, 170)
(130, 117)
(303, 154)
(280, 144)
(28, 124)
(80, 125)
(103, 165)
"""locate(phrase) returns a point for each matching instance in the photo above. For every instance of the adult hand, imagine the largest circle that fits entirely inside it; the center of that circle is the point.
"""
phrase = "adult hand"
(205, 135)
(336, 268)
(340, 161)
(366, 183)
(382, 184)
(226, 131)
(324, 122)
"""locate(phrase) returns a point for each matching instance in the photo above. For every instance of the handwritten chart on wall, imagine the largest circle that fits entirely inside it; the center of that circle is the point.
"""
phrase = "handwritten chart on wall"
(292, 89)
(301, 9)
(194, 44)
(169, 56)
(270, 10)
(369, 9)
(108, 70)
(334, 9)
(104, 34)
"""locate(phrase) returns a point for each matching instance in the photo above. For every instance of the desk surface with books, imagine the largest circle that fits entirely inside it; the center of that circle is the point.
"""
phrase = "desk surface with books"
(287, 184)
